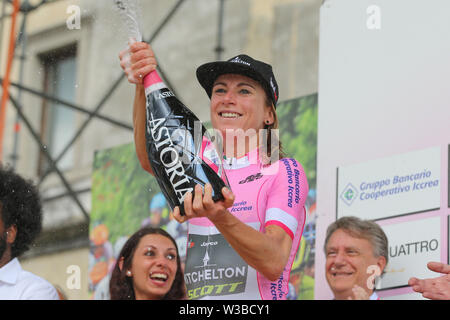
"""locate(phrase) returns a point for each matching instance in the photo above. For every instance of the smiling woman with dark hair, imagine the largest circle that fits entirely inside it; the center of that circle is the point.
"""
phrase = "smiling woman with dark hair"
(148, 268)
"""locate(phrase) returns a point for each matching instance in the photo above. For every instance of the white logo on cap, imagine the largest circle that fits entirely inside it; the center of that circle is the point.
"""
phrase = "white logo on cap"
(239, 60)
(273, 85)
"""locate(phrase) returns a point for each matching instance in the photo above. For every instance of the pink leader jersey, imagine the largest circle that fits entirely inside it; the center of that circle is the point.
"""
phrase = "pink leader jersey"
(264, 196)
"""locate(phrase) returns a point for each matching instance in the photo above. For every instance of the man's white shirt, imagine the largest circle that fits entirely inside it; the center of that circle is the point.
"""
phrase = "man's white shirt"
(18, 284)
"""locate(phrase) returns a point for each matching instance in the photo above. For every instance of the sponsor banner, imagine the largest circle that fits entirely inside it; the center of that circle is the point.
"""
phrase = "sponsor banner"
(213, 268)
(411, 245)
(392, 186)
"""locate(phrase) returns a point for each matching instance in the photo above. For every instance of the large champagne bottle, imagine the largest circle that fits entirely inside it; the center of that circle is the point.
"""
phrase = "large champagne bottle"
(179, 148)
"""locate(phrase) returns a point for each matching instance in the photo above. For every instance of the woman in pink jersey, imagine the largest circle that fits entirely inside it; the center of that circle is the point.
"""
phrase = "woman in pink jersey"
(242, 247)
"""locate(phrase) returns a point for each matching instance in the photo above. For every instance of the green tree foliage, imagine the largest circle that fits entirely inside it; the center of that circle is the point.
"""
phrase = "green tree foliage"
(121, 191)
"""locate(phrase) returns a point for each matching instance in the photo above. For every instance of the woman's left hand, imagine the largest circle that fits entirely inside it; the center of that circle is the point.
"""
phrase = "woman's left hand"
(202, 205)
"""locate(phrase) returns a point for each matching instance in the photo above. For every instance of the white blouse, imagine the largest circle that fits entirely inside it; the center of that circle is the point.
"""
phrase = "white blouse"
(18, 284)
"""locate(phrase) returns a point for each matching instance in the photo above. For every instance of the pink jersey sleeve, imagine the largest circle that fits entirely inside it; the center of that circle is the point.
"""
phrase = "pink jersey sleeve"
(287, 196)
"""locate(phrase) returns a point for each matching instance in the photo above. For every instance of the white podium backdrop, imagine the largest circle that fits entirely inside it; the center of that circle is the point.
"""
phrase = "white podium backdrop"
(384, 93)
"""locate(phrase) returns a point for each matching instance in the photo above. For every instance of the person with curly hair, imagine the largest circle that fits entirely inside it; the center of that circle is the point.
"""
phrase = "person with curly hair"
(148, 268)
(20, 223)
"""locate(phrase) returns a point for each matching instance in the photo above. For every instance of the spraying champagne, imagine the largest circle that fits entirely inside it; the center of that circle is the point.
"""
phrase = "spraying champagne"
(179, 148)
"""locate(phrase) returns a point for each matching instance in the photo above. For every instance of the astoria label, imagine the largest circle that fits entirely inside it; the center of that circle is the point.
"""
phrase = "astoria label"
(169, 158)
(180, 153)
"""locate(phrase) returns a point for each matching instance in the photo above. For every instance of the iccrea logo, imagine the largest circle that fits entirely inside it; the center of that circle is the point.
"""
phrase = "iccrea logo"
(349, 194)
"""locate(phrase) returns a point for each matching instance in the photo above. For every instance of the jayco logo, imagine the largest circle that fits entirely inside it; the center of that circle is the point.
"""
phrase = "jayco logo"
(239, 60)
(209, 243)
(349, 194)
